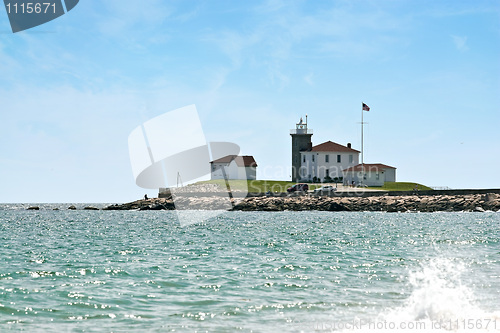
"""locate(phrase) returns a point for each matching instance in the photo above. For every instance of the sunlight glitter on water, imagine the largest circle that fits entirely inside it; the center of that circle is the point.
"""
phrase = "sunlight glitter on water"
(247, 271)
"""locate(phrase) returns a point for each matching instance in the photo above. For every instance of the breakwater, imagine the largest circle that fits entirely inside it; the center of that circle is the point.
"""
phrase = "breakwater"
(389, 203)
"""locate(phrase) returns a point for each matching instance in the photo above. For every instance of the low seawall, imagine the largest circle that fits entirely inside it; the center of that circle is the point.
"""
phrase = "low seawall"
(387, 203)
(365, 194)
(479, 202)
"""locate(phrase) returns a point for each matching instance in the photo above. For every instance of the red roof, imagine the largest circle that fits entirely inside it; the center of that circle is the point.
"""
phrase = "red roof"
(330, 146)
(246, 161)
(369, 167)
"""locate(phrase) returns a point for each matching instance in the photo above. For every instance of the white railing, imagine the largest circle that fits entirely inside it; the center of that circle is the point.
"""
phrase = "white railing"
(301, 131)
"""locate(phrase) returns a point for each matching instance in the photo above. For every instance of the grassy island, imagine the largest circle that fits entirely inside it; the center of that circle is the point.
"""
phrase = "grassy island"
(280, 186)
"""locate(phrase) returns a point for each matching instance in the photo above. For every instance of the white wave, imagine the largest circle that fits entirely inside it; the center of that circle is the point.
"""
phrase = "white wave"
(439, 301)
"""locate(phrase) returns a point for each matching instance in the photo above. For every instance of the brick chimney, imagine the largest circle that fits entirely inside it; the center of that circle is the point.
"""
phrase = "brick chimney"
(349, 145)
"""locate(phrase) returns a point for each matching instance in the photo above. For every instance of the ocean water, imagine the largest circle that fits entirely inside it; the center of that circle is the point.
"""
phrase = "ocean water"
(127, 271)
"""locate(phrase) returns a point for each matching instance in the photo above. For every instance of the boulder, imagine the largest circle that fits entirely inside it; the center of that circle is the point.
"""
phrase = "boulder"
(491, 197)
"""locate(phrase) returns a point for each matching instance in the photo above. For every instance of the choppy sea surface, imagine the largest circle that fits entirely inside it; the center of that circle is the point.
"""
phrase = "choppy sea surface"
(126, 271)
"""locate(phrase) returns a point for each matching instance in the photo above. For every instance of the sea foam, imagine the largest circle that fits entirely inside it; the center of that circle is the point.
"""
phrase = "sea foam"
(439, 301)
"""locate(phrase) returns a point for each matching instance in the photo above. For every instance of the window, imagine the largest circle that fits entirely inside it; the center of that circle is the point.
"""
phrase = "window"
(338, 159)
(377, 176)
(351, 159)
(327, 172)
(304, 159)
(313, 157)
(327, 158)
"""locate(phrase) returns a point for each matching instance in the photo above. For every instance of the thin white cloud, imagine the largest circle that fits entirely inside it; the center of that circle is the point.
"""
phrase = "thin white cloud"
(130, 21)
(279, 34)
(441, 9)
(233, 44)
(309, 79)
(190, 14)
(460, 42)
(271, 6)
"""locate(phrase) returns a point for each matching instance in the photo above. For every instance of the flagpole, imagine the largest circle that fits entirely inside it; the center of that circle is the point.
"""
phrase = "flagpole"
(362, 153)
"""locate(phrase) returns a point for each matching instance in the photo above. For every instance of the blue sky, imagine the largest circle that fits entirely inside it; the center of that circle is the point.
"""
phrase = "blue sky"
(73, 89)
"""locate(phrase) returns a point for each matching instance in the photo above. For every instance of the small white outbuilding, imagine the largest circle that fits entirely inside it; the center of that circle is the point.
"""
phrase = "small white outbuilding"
(369, 174)
(234, 167)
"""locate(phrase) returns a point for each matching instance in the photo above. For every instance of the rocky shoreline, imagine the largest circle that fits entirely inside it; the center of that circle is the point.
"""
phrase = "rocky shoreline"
(407, 203)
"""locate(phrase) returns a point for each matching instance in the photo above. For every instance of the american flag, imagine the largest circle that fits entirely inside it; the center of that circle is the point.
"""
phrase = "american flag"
(365, 107)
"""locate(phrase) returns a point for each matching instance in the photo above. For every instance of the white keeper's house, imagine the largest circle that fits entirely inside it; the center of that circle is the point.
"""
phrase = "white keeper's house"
(234, 167)
(327, 160)
(330, 160)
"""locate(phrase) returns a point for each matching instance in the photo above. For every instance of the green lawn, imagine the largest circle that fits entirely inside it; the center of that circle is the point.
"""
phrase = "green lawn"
(401, 186)
(256, 185)
(281, 186)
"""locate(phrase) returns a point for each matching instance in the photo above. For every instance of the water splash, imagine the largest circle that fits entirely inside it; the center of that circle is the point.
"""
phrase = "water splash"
(441, 300)
(438, 293)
